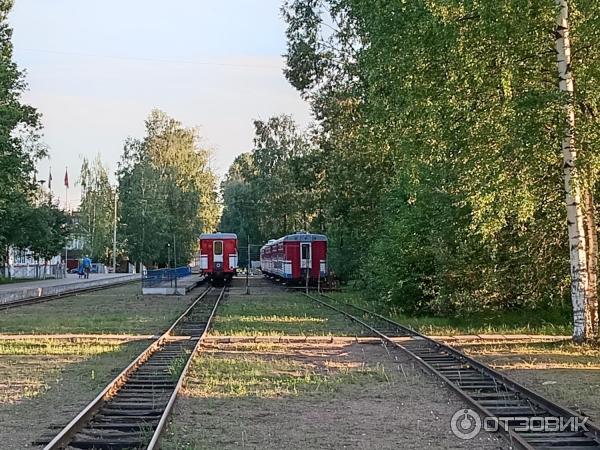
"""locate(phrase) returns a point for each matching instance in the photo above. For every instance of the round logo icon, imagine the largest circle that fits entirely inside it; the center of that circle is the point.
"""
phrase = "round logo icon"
(465, 424)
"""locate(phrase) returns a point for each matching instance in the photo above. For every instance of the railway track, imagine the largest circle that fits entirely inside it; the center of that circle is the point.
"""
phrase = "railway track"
(132, 411)
(489, 393)
(47, 298)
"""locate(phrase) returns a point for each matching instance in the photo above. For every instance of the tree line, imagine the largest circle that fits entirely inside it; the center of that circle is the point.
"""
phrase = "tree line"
(165, 197)
(29, 217)
(453, 161)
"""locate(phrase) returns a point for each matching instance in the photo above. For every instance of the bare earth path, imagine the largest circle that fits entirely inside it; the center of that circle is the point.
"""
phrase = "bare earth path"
(313, 396)
(310, 395)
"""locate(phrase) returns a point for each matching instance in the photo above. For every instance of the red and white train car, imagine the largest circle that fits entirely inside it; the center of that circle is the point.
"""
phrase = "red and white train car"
(218, 255)
(292, 257)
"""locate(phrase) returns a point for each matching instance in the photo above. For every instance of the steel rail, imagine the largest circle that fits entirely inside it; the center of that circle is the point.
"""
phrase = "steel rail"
(163, 420)
(588, 440)
(65, 436)
(48, 298)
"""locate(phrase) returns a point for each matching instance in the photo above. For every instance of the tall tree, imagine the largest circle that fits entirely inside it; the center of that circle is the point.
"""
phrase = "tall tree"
(96, 210)
(19, 144)
(167, 191)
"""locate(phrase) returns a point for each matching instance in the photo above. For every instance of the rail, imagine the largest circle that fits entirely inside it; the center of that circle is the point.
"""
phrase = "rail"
(489, 392)
(132, 410)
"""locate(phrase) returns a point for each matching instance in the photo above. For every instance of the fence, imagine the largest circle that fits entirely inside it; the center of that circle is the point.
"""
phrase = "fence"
(36, 271)
(165, 277)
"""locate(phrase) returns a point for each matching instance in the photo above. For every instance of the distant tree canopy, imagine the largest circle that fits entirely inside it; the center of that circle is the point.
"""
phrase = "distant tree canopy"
(96, 211)
(167, 193)
(439, 130)
(273, 190)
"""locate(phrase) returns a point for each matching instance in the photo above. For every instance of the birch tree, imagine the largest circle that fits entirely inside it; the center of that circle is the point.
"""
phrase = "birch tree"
(580, 215)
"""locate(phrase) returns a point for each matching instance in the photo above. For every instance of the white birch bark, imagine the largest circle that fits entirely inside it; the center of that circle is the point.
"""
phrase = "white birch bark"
(575, 213)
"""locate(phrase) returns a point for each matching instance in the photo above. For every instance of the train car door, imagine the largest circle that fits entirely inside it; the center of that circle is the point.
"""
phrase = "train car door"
(305, 256)
(218, 256)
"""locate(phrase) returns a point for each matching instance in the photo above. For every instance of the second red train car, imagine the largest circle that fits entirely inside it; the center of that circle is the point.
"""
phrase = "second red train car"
(295, 256)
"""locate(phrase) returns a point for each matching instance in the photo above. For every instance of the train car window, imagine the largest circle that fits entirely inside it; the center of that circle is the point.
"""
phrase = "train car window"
(218, 247)
(305, 251)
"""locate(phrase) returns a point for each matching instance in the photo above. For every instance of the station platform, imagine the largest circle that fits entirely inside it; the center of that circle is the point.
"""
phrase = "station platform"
(28, 290)
(182, 287)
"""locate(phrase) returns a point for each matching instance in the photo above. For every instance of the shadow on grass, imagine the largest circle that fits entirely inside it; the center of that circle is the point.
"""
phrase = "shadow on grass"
(556, 322)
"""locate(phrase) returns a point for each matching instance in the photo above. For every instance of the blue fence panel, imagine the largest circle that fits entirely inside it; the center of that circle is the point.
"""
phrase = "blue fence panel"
(157, 277)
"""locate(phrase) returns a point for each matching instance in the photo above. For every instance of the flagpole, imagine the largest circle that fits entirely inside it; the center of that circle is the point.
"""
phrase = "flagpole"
(67, 210)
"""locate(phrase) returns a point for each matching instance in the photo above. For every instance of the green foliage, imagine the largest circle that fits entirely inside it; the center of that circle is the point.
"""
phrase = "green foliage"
(96, 210)
(274, 190)
(19, 145)
(167, 192)
(46, 230)
(439, 128)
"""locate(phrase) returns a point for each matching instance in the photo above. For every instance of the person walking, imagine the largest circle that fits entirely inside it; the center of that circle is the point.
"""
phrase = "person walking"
(80, 269)
(87, 266)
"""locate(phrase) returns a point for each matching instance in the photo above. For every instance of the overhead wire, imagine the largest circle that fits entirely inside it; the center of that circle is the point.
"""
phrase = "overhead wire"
(145, 59)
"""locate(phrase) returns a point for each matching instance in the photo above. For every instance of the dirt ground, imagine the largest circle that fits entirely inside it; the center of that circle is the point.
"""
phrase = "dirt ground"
(562, 372)
(47, 383)
(309, 396)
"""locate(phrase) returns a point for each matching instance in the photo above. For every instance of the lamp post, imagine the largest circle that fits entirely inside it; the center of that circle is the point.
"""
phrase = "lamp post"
(115, 234)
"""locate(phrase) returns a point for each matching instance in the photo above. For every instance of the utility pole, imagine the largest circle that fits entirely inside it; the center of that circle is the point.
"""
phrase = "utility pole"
(307, 275)
(115, 235)
(174, 253)
(248, 270)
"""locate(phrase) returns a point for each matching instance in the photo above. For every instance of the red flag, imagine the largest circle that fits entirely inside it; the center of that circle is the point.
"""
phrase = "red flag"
(50, 179)
(66, 178)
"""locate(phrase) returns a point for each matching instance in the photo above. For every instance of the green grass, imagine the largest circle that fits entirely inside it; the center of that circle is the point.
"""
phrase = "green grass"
(31, 368)
(54, 347)
(176, 367)
(14, 280)
(286, 314)
(120, 310)
(253, 376)
(549, 322)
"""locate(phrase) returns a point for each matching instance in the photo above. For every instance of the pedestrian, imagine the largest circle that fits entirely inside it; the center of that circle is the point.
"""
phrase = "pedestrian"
(87, 266)
(80, 269)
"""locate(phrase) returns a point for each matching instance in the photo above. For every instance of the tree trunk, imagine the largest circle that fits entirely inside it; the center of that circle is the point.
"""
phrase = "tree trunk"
(575, 213)
(591, 311)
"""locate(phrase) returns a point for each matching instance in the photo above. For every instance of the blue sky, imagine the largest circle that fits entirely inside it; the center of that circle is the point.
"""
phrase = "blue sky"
(96, 69)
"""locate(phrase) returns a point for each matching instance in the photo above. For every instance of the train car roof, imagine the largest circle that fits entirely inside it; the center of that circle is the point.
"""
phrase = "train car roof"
(218, 236)
(298, 237)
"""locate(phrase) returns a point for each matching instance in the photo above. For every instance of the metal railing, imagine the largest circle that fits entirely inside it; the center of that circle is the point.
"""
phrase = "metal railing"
(165, 277)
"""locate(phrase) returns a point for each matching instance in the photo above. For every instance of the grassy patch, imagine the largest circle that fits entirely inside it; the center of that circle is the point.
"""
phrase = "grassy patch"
(29, 368)
(252, 375)
(50, 347)
(14, 280)
(117, 310)
(285, 314)
(47, 384)
(550, 322)
(177, 366)
(542, 355)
